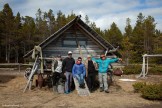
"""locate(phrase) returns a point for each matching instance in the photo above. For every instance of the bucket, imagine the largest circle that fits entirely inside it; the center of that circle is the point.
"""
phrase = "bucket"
(60, 88)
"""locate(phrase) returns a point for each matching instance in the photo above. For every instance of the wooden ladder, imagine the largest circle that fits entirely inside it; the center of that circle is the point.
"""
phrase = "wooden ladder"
(29, 82)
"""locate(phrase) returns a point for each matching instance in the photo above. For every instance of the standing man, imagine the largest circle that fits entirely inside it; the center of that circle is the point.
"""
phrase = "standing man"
(79, 72)
(67, 66)
(103, 64)
(91, 67)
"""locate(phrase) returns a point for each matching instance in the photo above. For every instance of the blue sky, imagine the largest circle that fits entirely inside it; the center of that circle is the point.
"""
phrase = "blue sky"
(102, 12)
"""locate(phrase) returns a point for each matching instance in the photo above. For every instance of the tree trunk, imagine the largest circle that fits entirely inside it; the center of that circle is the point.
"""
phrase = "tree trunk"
(6, 49)
(24, 49)
(9, 49)
(17, 56)
(127, 58)
(0, 51)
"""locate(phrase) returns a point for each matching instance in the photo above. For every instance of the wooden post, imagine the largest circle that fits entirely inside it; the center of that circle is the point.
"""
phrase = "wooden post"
(143, 66)
(147, 66)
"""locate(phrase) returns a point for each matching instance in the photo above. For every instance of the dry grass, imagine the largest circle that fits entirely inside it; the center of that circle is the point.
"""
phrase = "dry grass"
(121, 95)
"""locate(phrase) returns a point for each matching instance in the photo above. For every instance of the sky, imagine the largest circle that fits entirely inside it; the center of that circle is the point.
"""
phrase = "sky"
(102, 12)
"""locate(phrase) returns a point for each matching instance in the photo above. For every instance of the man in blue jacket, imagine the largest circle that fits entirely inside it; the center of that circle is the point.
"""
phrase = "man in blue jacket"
(103, 64)
(79, 72)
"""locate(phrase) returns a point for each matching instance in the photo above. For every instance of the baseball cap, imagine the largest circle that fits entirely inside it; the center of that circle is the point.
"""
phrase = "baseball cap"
(69, 52)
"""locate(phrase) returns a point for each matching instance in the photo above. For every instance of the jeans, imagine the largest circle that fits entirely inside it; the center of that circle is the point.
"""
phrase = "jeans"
(103, 80)
(68, 81)
(80, 78)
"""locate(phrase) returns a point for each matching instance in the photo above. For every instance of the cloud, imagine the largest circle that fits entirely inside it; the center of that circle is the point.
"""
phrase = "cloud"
(102, 12)
(120, 18)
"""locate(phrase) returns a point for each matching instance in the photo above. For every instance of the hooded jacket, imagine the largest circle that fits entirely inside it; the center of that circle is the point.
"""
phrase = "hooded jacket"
(79, 69)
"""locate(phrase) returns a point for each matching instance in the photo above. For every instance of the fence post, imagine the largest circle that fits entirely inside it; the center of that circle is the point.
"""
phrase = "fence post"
(19, 66)
(143, 71)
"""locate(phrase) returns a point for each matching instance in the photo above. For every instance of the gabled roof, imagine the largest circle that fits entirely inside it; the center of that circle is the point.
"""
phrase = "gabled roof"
(81, 25)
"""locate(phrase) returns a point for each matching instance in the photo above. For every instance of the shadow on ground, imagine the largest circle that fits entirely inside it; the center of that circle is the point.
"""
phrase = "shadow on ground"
(6, 78)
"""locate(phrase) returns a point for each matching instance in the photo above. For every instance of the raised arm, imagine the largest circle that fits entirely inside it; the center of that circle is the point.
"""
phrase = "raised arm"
(113, 60)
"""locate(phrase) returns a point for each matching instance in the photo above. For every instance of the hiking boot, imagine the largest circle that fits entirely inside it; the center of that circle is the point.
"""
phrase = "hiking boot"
(101, 89)
(83, 85)
(66, 92)
(106, 91)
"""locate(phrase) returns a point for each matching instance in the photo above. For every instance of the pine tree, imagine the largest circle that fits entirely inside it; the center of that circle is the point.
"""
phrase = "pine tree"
(126, 44)
(29, 36)
(114, 35)
(149, 34)
(1, 35)
(143, 36)
(71, 16)
(59, 19)
(50, 18)
(87, 20)
(8, 29)
(128, 28)
(17, 37)
(41, 25)
(137, 38)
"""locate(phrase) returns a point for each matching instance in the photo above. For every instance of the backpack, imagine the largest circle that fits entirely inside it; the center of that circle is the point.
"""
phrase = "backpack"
(118, 72)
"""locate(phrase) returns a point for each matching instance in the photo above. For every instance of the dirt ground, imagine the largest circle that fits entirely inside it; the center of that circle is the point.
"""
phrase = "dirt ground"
(121, 95)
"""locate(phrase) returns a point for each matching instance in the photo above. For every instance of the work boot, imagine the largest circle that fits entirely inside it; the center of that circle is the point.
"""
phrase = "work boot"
(82, 85)
(106, 91)
(101, 89)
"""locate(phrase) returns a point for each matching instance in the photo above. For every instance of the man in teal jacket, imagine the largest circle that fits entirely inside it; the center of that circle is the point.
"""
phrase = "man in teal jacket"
(103, 64)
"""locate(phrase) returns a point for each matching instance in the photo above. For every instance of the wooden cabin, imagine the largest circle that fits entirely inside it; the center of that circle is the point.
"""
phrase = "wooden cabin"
(76, 36)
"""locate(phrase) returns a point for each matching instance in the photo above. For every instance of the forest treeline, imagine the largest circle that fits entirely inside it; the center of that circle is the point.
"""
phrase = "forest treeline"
(19, 34)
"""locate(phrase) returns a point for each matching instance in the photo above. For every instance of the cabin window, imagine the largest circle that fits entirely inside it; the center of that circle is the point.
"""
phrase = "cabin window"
(73, 42)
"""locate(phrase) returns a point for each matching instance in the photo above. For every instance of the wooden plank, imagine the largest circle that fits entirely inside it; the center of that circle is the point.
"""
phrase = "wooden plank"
(81, 91)
(2, 64)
